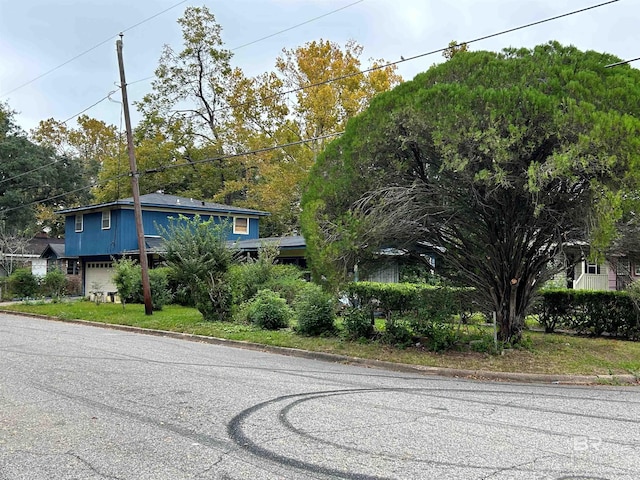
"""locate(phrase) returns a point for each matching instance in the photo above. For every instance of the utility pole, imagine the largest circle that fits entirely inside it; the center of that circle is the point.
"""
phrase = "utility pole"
(144, 267)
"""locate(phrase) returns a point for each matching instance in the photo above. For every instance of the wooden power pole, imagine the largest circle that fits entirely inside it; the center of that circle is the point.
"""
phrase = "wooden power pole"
(146, 289)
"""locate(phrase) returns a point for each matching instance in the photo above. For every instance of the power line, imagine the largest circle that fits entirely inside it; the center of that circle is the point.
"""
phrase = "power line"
(168, 167)
(56, 160)
(271, 35)
(503, 32)
(91, 106)
(623, 62)
(296, 26)
(421, 55)
(88, 50)
(241, 154)
(80, 189)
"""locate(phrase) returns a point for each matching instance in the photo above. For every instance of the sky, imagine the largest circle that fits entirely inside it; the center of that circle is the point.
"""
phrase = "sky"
(37, 36)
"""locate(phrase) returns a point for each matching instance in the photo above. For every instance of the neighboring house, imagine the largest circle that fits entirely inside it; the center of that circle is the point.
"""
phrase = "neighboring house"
(56, 259)
(17, 252)
(292, 249)
(96, 234)
(615, 273)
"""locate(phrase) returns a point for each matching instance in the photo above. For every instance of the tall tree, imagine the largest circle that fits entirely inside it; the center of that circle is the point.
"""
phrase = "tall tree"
(203, 109)
(499, 158)
(93, 142)
(32, 174)
(192, 89)
(328, 89)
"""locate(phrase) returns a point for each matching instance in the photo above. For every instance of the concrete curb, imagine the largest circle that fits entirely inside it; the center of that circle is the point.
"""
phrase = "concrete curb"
(626, 379)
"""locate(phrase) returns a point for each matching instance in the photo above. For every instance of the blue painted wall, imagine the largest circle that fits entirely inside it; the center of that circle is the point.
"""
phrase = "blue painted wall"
(122, 235)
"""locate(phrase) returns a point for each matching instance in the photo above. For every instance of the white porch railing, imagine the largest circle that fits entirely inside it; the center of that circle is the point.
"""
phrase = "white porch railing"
(591, 281)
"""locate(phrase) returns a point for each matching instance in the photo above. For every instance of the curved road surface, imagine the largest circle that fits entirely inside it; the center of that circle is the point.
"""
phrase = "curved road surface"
(80, 402)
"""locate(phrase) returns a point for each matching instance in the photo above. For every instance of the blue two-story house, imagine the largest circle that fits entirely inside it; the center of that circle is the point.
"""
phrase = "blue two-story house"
(96, 234)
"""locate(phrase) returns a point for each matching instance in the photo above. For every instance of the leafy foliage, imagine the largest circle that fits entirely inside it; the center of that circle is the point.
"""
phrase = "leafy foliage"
(433, 303)
(23, 283)
(199, 257)
(498, 158)
(357, 323)
(590, 312)
(314, 311)
(269, 310)
(51, 178)
(54, 284)
(127, 278)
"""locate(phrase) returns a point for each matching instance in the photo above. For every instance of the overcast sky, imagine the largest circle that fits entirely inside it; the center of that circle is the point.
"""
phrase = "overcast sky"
(39, 35)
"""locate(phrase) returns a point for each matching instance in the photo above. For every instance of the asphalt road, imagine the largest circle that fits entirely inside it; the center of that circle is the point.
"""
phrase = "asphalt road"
(80, 402)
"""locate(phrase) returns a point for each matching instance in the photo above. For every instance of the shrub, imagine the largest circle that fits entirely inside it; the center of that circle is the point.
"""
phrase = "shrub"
(268, 310)
(397, 333)
(436, 302)
(287, 281)
(128, 280)
(74, 285)
(357, 323)
(590, 312)
(314, 311)
(440, 335)
(159, 283)
(213, 300)
(251, 276)
(23, 283)
(198, 253)
(54, 283)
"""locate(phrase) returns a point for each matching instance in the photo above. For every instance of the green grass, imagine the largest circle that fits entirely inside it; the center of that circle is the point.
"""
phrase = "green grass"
(545, 353)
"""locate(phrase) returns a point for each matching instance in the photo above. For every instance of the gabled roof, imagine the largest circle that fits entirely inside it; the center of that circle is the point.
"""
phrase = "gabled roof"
(38, 244)
(169, 203)
(53, 250)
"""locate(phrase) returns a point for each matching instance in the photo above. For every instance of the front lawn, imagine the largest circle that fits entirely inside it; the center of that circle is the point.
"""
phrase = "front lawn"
(545, 353)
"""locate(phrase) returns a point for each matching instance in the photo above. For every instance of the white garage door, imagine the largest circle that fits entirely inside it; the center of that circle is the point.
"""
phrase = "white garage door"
(99, 278)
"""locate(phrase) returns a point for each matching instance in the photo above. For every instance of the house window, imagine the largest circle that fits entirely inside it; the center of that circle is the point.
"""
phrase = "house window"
(241, 225)
(79, 222)
(73, 267)
(106, 219)
(593, 269)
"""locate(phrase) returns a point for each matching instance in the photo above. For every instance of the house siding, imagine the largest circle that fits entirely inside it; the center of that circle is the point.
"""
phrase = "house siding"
(93, 240)
(122, 235)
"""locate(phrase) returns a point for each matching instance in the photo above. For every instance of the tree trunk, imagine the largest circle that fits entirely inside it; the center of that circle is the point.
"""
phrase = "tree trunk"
(510, 314)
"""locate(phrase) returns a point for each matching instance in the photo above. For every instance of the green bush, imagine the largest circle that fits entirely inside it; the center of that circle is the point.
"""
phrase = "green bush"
(23, 283)
(54, 284)
(436, 302)
(287, 281)
(159, 284)
(590, 312)
(213, 299)
(248, 278)
(440, 335)
(357, 323)
(268, 310)
(127, 278)
(314, 311)
(128, 281)
(181, 294)
(397, 333)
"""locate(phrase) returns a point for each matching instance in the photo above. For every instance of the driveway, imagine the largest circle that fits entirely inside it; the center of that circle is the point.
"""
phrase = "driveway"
(80, 402)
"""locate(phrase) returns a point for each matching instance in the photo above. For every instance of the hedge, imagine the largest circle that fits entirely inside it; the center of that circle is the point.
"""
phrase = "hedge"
(439, 302)
(589, 312)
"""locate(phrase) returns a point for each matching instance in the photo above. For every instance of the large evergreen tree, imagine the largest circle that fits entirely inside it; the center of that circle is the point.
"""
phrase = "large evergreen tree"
(499, 158)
